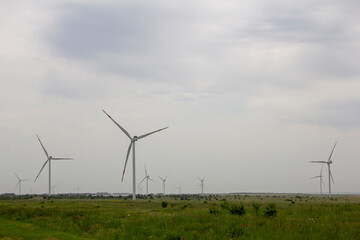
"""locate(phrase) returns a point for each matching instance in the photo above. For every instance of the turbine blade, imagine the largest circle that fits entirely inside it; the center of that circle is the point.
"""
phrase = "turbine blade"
(161, 179)
(17, 185)
(142, 180)
(62, 159)
(145, 171)
(166, 177)
(17, 176)
(322, 182)
(123, 129)
(151, 179)
(145, 135)
(42, 146)
(315, 177)
(41, 170)
(332, 151)
(322, 165)
(127, 157)
(317, 161)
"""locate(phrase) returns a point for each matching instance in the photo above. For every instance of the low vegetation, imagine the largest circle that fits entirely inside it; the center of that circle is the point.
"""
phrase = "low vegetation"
(237, 216)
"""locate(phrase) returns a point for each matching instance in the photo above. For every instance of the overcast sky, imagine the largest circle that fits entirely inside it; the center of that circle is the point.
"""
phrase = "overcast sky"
(251, 92)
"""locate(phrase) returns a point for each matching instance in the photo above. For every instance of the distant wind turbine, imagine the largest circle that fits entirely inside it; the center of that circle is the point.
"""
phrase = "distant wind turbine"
(147, 177)
(179, 187)
(163, 180)
(202, 184)
(328, 162)
(19, 183)
(132, 144)
(321, 181)
(49, 158)
(53, 188)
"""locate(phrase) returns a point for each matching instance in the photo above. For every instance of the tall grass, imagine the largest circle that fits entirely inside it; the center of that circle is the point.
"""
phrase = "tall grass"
(315, 218)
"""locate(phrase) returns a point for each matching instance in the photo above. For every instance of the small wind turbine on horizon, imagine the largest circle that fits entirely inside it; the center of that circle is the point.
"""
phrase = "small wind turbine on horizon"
(328, 162)
(19, 183)
(321, 181)
(202, 184)
(132, 144)
(179, 187)
(163, 180)
(49, 158)
(53, 188)
(147, 177)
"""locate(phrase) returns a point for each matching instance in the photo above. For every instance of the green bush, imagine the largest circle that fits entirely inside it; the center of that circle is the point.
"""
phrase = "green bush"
(270, 210)
(237, 209)
(164, 204)
(256, 207)
(213, 209)
(225, 205)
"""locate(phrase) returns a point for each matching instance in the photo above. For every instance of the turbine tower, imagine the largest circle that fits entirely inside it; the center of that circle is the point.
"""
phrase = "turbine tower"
(202, 184)
(321, 181)
(19, 183)
(147, 177)
(49, 158)
(132, 144)
(163, 180)
(328, 162)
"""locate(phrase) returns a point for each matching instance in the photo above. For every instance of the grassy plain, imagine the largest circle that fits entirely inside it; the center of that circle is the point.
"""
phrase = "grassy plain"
(185, 217)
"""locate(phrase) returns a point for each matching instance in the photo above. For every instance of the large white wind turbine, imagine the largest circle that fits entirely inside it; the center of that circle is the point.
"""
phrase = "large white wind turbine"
(163, 180)
(321, 181)
(19, 183)
(49, 158)
(328, 162)
(147, 177)
(202, 184)
(132, 144)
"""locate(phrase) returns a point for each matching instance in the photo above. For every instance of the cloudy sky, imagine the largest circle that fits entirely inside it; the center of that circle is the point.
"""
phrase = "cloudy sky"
(251, 92)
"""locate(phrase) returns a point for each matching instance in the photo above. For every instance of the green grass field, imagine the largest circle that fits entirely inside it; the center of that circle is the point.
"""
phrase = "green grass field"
(193, 217)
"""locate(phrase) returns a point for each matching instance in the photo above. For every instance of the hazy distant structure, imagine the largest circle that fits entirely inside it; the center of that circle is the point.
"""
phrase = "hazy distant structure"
(147, 177)
(53, 188)
(321, 181)
(328, 162)
(179, 187)
(132, 144)
(163, 180)
(49, 158)
(19, 183)
(139, 189)
(202, 184)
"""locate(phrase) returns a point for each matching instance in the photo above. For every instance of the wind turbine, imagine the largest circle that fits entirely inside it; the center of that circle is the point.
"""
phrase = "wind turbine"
(53, 188)
(164, 180)
(321, 181)
(132, 144)
(179, 187)
(328, 162)
(49, 158)
(139, 189)
(147, 177)
(19, 183)
(202, 184)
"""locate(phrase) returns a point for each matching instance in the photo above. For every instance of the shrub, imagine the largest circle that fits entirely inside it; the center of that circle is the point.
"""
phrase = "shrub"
(225, 204)
(164, 204)
(237, 209)
(213, 209)
(270, 210)
(256, 207)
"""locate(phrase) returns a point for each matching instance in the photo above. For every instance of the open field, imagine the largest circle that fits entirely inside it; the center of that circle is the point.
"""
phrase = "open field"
(185, 217)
